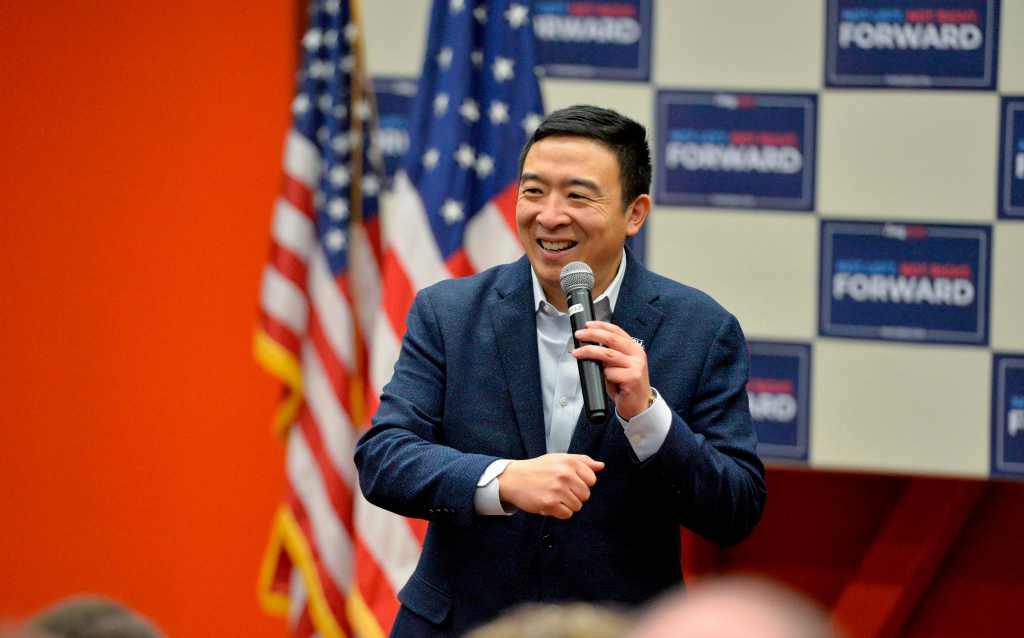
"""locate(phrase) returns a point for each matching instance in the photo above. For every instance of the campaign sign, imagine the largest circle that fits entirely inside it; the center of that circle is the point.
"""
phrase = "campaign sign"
(608, 39)
(394, 100)
(729, 150)
(1008, 415)
(905, 282)
(779, 394)
(938, 44)
(1011, 159)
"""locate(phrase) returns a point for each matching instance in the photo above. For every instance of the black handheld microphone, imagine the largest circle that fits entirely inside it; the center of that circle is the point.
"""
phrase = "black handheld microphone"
(577, 280)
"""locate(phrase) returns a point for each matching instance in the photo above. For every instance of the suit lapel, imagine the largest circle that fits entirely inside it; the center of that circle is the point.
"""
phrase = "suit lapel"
(515, 329)
(636, 313)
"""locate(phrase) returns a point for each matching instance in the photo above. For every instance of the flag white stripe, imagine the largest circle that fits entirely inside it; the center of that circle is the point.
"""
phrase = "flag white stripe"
(409, 233)
(301, 159)
(296, 597)
(365, 278)
(333, 423)
(332, 541)
(388, 539)
(283, 300)
(386, 347)
(489, 241)
(331, 307)
(292, 229)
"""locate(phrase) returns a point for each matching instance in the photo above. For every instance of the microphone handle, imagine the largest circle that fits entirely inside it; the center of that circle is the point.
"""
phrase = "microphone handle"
(581, 310)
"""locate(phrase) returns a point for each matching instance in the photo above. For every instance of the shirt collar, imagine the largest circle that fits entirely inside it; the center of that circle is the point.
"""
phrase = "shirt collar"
(612, 292)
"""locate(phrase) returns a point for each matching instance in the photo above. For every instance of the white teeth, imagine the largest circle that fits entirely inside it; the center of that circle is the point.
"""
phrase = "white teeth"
(556, 245)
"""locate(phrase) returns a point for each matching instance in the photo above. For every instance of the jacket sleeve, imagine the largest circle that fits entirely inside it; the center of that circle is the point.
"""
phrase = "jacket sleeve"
(403, 463)
(708, 461)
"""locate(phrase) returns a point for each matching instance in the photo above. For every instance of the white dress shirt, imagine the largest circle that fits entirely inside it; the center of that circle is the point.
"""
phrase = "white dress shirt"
(563, 398)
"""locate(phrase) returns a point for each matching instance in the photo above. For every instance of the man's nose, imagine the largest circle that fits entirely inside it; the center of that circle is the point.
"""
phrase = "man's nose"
(553, 213)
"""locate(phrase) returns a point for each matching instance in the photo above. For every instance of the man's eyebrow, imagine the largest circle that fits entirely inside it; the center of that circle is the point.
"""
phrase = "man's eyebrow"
(572, 181)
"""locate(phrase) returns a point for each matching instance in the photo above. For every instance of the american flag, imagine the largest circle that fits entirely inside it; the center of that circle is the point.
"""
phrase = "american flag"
(340, 280)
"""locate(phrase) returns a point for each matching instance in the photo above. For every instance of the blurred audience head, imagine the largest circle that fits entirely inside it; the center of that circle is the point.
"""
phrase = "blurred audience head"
(735, 607)
(576, 620)
(87, 617)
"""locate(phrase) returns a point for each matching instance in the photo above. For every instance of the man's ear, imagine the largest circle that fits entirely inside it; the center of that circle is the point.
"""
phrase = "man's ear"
(637, 214)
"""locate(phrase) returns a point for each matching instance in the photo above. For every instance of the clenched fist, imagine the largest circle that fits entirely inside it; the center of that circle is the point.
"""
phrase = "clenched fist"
(553, 485)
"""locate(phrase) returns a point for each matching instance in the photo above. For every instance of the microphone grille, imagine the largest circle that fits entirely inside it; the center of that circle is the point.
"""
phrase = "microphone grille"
(576, 276)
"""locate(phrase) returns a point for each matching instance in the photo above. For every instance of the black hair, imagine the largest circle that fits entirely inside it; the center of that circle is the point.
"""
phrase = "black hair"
(621, 135)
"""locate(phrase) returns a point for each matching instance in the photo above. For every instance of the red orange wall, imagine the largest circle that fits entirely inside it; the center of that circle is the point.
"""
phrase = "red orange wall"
(141, 145)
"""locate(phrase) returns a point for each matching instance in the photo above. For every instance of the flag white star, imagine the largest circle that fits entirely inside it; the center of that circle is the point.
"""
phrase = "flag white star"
(484, 166)
(351, 32)
(332, 7)
(530, 123)
(335, 239)
(440, 104)
(339, 176)
(456, 6)
(312, 39)
(430, 158)
(330, 37)
(347, 63)
(323, 134)
(480, 13)
(452, 211)
(498, 112)
(324, 101)
(339, 143)
(469, 110)
(338, 209)
(516, 15)
(300, 104)
(339, 111)
(371, 185)
(363, 109)
(477, 58)
(465, 156)
(444, 57)
(502, 69)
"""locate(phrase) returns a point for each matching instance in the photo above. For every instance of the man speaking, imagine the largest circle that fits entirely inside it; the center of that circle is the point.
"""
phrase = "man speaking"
(482, 431)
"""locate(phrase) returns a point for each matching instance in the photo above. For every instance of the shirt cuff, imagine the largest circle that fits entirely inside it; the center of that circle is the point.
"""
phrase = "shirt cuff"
(487, 499)
(647, 431)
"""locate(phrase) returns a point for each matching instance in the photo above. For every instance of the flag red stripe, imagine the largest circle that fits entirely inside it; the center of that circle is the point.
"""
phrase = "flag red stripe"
(380, 597)
(290, 265)
(298, 195)
(505, 201)
(458, 264)
(304, 626)
(338, 490)
(336, 370)
(398, 293)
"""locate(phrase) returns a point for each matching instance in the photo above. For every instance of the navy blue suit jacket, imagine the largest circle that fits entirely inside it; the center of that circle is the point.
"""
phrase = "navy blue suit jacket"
(466, 391)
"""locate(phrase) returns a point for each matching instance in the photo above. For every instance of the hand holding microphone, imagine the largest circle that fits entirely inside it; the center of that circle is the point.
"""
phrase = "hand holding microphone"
(622, 360)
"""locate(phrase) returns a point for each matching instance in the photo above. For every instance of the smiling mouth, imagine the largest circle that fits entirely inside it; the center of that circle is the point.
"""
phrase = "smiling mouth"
(555, 246)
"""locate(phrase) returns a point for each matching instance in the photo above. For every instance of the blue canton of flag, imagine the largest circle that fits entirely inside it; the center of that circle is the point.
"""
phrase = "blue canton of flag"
(333, 109)
(478, 101)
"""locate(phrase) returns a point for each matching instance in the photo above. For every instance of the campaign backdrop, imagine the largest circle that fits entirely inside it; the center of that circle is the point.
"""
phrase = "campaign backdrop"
(745, 150)
(1011, 158)
(906, 353)
(938, 44)
(1008, 415)
(607, 39)
(905, 282)
(394, 98)
(779, 395)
